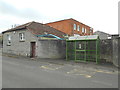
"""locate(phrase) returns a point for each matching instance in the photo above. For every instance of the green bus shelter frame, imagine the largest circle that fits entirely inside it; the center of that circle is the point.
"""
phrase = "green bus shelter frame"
(86, 51)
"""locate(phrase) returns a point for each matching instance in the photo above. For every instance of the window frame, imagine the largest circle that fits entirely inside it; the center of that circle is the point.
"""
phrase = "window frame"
(8, 40)
(83, 30)
(22, 36)
(74, 26)
(78, 28)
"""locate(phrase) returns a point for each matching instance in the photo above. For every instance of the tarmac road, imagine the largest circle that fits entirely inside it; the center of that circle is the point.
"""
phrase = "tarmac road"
(18, 72)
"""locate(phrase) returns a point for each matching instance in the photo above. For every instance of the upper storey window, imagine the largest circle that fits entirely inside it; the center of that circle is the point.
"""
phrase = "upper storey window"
(78, 28)
(83, 29)
(74, 26)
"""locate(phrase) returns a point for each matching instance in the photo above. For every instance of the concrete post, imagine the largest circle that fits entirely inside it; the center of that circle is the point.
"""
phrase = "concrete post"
(116, 50)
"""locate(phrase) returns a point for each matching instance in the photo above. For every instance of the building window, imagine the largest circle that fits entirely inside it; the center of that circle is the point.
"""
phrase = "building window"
(22, 36)
(8, 40)
(78, 28)
(75, 26)
(83, 30)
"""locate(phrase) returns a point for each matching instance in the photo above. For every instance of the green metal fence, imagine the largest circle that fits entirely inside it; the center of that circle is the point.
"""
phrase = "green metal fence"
(85, 49)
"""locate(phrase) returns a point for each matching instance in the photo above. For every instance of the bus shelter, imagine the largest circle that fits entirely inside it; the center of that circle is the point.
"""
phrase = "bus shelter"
(83, 48)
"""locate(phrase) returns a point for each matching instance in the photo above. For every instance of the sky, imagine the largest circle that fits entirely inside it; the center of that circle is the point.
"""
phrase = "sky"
(101, 15)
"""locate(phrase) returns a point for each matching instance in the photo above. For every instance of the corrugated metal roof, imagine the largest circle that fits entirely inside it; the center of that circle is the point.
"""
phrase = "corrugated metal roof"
(90, 37)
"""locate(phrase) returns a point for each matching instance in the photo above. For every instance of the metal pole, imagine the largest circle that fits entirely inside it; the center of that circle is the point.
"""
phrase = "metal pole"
(96, 51)
(85, 51)
(75, 50)
(66, 51)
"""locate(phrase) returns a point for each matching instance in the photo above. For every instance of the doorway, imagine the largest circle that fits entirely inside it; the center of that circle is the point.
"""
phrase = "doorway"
(33, 49)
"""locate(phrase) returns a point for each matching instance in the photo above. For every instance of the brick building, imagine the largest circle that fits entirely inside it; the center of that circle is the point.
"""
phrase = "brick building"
(71, 27)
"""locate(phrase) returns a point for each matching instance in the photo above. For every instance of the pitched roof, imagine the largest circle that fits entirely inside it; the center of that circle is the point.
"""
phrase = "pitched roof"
(38, 29)
(18, 27)
(101, 32)
(67, 19)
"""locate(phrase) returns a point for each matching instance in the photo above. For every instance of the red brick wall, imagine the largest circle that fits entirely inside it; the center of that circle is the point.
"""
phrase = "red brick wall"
(66, 26)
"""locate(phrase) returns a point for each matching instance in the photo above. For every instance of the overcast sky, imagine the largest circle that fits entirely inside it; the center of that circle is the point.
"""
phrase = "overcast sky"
(101, 15)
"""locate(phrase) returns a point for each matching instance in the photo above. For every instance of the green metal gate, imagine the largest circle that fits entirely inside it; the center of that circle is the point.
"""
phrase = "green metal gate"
(84, 48)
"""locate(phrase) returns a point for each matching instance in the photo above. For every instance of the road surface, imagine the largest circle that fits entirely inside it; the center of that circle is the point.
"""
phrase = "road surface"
(27, 73)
